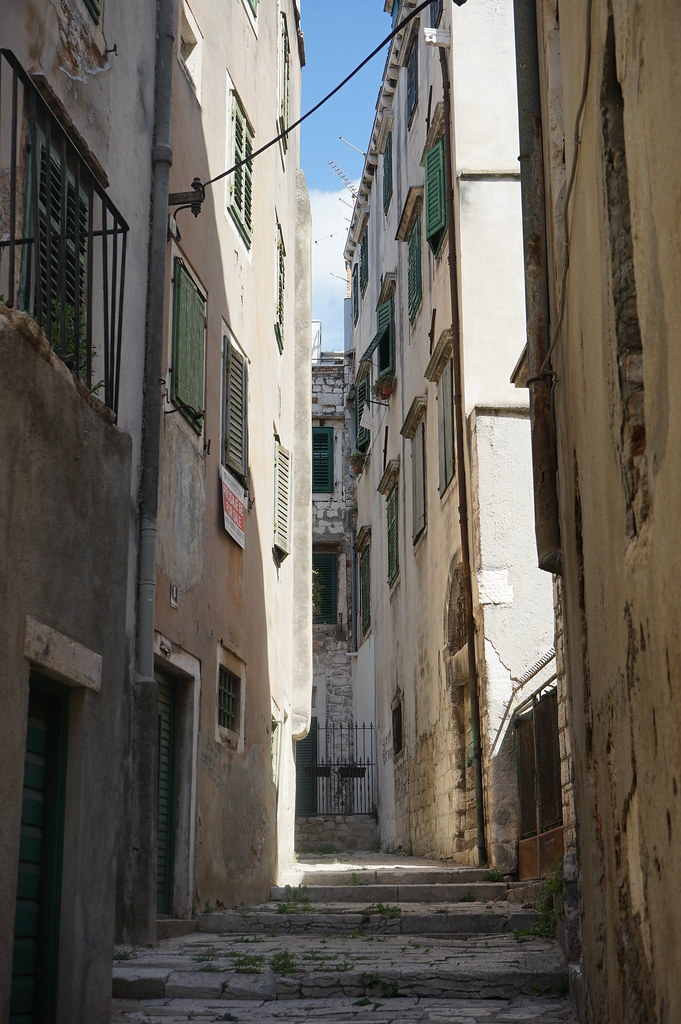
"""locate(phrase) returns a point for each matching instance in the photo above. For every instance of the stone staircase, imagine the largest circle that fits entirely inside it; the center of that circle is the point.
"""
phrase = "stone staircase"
(376, 939)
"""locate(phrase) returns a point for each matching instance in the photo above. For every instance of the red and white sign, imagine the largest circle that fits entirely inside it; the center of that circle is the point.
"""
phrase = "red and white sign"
(233, 506)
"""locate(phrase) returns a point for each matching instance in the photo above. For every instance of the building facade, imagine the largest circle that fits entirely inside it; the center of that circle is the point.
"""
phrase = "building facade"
(412, 621)
(598, 95)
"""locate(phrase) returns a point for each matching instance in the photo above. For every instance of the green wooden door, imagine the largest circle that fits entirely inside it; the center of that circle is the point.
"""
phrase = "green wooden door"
(306, 777)
(165, 834)
(36, 927)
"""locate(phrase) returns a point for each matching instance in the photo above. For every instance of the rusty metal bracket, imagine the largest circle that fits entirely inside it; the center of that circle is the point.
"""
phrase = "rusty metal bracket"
(189, 200)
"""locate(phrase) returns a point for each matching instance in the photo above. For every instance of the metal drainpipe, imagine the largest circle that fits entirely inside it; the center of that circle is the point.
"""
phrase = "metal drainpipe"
(460, 424)
(354, 588)
(145, 709)
(544, 458)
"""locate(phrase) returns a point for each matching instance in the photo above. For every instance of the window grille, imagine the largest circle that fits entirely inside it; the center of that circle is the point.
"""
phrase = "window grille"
(229, 700)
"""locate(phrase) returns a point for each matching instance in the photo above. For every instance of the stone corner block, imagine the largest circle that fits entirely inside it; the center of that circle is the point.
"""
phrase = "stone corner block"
(139, 982)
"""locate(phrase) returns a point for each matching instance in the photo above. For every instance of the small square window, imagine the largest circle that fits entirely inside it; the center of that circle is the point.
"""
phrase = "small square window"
(229, 700)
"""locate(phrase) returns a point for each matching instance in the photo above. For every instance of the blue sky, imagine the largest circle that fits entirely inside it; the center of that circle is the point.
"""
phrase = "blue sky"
(338, 36)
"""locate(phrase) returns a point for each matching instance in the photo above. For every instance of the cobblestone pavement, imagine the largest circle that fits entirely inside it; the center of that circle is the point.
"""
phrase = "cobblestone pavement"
(365, 973)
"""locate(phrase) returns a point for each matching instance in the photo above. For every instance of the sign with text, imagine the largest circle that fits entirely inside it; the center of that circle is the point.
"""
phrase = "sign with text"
(233, 506)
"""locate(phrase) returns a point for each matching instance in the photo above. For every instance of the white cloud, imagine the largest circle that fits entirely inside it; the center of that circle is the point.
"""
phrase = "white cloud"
(330, 223)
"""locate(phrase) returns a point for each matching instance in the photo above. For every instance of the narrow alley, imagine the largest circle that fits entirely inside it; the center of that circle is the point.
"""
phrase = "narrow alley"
(368, 937)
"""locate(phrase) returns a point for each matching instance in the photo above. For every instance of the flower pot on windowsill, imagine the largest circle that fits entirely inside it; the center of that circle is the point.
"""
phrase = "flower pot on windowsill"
(384, 385)
(357, 462)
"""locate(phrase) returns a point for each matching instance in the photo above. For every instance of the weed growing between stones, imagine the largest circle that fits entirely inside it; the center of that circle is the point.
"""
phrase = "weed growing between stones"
(284, 963)
(493, 876)
(384, 909)
(201, 958)
(245, 963)
(295, 901)
(125, 954)
(550, 907)
(209, 969)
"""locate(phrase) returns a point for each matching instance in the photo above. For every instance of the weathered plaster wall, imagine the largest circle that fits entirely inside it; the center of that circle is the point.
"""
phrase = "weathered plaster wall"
(64, 522)
(620, 489)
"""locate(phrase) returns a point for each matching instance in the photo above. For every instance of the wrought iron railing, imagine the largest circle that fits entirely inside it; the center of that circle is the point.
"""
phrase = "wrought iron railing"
(62, 241)
(336, 770)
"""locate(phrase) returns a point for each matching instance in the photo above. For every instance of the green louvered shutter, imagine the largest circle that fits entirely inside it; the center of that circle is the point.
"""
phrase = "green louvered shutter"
(385, 333)
(418, 481)
(306, 780)
(284, 78)
(322, 460)
(414, 269)
(391, 513)
(355, 294)
(364, 261)
(94, 8)
(436, 210)
(365, 588)
(281, 289)
(282, 497)
(235, 411)
(254, 6)
(241, 205)
(387, 172)
(325, 564)
(362, 435)
(189, 328)
(165, 797)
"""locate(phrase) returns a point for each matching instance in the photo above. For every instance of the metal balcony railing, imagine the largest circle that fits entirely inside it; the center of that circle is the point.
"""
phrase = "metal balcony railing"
(62, 241)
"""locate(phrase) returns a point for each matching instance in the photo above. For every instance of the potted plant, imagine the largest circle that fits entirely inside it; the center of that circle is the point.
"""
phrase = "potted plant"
(384, 385)
(357, 460)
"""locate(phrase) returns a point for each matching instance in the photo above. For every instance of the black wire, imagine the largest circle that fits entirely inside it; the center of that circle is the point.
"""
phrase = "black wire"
(282, 135)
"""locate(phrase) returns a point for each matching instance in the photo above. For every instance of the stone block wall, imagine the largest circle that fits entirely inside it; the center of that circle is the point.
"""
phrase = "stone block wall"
(343, 832)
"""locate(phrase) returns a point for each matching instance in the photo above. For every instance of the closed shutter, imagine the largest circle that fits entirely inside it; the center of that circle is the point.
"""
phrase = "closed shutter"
(412, 77)
(306, 778)
(95, 8)
(362, 435)
(325, 565)
(355, 293)
(284, 79)
(235, 410)
(322, 459)
(241, 205)
(446, 426)
(385, 336)
(418, 481)
(364, 261)
(165, 797)
(392, 524)
(365, 588)
(436, 210)
(281, 289)
(282, 494)
(387, 172)
(414, 269)
(189, 326)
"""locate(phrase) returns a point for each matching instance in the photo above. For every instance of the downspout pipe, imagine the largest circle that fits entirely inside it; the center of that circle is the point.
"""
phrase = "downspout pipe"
(544, 457)
(144, 724)
(460, 428)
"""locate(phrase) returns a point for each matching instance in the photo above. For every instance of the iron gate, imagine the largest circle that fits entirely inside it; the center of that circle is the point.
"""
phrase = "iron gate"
(335, 770)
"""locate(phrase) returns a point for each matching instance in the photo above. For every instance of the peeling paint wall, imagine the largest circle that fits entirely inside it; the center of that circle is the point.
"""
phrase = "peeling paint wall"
(618, 367)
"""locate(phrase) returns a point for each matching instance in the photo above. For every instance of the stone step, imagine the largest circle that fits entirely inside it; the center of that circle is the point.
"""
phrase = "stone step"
(435, 893)
(499, 968)
(384, 876)
(472, 918)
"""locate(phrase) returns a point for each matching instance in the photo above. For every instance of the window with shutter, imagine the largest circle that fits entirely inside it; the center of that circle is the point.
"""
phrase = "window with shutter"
(364, 261)
(362, 435)
(281, 288)
(385, 333)
(365, 588)
(325, 567)
(387, 172)
(435, 13)
(392, 531)
(282, 497)
(418, 480)
(412, 78)
(395, 12)
(436, 210)
(241, 187)
(322, 460)
(284, 79)
(189, 331)
(445, 423)
(414, 288)
(253, 4)
(94, 9)
(235, 411)
(355, 293)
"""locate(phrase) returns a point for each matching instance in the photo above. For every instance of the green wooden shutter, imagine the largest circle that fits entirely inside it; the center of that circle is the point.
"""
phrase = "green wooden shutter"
(235, 411)
(282, 494)
(355, 294)
(436, 209)
(364, 261)
(362, 435)
(365, 588)
(306, 779)
(322, 460)
(189, 326)
(241, 204)
(165, 797)
(385, 336)
(94, 8)
(445, 415)
(418, 481)
(412, 77)
(284, 78)
(254, 6)
(414, 269)
(325, 564)
(392, 524)
(387, 172)
(281, 289)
